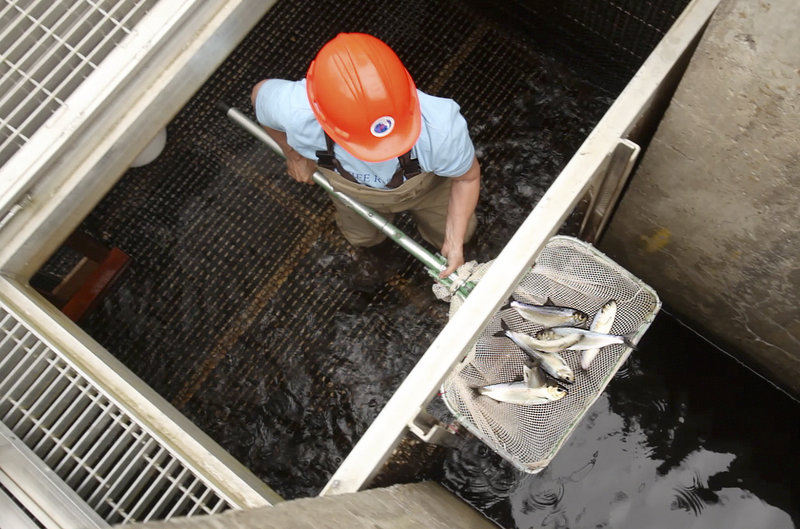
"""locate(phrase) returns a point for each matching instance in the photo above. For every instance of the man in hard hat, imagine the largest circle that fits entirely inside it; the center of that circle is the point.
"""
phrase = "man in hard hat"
(359, 117)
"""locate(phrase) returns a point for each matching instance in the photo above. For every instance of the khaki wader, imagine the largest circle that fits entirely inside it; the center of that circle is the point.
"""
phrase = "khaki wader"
(425, 196)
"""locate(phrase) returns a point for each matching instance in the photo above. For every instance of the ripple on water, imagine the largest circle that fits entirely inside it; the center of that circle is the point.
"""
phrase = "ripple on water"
(479, 475)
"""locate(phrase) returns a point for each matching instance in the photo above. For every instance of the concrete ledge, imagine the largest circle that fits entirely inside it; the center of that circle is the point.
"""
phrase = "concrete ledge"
(411, 506)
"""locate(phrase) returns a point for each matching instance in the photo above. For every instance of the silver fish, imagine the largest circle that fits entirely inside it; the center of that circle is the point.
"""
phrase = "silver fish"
(532, 390)
(552, 344)
(602, 322)
(586, 339)
(551, 362)
(549, 315)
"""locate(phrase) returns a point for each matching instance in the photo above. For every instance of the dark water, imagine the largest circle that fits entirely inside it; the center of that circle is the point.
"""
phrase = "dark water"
(684, 436)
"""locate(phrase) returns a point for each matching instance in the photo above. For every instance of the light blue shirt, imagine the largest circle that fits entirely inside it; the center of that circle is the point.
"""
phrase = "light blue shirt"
(444, 146)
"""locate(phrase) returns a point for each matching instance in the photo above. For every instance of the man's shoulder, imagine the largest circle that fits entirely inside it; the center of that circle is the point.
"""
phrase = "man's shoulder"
(435, 105)
(444, 145)
(283, 91)
(283, 105)
(441, 116)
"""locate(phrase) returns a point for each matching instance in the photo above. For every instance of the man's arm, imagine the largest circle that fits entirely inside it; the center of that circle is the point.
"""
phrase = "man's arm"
(464, 194)
(299, 167)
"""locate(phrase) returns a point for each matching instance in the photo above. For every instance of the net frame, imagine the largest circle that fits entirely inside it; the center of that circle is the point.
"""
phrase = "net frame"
(572, 273)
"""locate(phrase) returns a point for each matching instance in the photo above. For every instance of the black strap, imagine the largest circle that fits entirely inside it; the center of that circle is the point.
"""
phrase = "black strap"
(409, 167)
(325, 158)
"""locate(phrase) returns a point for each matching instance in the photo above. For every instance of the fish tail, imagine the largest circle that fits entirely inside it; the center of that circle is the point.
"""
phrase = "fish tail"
(535, 363)
(505, 328)
(628, 340)
(587, 356)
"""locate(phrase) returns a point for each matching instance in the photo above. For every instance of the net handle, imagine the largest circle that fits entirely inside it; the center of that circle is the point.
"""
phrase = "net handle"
(435, 264)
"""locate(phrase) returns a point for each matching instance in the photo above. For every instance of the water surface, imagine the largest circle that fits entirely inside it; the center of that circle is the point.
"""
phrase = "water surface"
(684, 436)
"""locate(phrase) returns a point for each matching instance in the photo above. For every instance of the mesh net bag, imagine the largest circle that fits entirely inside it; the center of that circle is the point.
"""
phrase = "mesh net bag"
(571, 273)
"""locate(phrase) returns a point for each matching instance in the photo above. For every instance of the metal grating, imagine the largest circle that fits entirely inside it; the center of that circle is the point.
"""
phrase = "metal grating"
(117, 467)
(606, 40)
(48, 49)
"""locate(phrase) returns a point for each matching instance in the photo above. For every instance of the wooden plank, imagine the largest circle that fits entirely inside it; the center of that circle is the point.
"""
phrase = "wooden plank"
(97, 285)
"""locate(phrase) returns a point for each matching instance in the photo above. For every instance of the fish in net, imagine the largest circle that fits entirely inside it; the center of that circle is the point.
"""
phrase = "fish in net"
(569, 273)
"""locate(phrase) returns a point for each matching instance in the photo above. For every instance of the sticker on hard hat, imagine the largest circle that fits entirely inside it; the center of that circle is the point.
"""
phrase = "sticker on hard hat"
(382, 126)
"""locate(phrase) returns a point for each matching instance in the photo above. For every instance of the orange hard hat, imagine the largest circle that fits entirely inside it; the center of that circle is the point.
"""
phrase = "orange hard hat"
(364, 97)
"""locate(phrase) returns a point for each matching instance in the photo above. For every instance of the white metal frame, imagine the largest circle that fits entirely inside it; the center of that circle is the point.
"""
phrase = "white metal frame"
(40, 491)
(95, 440)
(461, 332)
(75, 158)
(48, 48)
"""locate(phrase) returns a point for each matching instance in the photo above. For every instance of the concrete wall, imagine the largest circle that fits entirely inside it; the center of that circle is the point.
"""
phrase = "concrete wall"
(710, 218)
(419, 505)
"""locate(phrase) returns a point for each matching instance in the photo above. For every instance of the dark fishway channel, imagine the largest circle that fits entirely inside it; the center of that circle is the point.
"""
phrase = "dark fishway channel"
(240, 305)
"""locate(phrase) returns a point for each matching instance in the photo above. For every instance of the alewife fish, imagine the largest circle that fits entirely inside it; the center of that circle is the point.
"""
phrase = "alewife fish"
(552, 344)
(584, 338)
(602, 322)
(532, 390)
(549, 314)
(551, 362)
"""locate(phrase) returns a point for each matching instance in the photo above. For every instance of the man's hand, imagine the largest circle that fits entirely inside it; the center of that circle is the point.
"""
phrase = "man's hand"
(455, 258)
(299, 167)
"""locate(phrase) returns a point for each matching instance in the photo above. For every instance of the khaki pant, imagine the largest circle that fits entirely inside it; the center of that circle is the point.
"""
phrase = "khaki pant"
(425, 196)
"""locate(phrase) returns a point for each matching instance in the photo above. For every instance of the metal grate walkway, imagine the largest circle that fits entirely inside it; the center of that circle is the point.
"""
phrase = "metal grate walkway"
(112, 462)
(49, 48)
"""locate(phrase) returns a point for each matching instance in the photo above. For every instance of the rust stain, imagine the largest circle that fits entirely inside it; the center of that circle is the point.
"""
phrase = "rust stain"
(657, 241)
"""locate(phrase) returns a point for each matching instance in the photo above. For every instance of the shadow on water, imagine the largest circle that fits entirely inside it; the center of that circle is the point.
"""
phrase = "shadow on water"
(682, 437)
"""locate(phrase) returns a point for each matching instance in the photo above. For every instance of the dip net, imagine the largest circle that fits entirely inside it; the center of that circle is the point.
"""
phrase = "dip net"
(570, 273)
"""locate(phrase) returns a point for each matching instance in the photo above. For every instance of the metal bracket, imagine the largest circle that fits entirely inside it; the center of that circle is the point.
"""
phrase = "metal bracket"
(604, 193)
(429, 429)
(16, 208)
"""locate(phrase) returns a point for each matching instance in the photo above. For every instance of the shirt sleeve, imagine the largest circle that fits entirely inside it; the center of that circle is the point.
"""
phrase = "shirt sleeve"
(283, 105)
(274, 104)
(452, 150)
